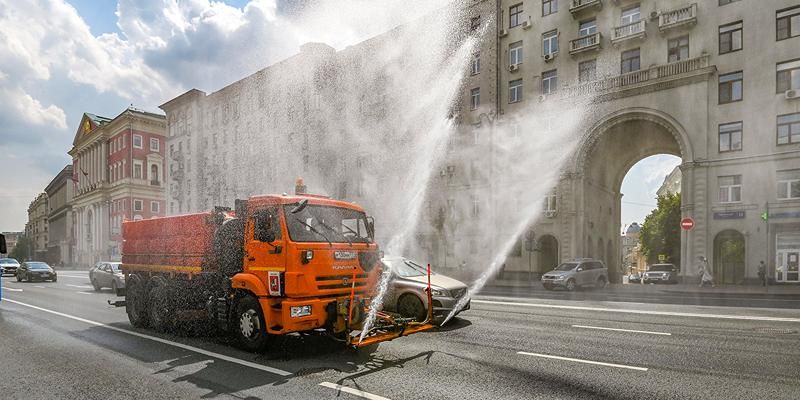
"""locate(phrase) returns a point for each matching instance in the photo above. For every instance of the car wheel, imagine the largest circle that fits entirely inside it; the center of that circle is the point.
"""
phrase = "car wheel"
(410, 306)
(571, 285)
(251, 329)
(602, 282)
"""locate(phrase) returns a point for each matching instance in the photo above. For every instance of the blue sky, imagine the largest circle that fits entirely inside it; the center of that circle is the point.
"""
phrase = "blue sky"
(62, 58)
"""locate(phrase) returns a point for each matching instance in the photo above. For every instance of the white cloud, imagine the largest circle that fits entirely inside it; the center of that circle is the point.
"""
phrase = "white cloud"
(31, 111)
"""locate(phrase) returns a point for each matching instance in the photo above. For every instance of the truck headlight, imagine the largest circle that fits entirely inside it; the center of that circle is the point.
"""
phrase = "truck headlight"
(306, 256)
(300, 311)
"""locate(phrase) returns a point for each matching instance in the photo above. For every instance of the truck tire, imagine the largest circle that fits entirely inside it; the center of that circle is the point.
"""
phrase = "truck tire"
(410, 306)
(136, 301)
(160, 312)
(250, 327)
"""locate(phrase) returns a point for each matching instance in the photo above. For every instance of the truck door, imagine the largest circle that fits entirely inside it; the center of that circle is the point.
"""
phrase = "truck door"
(266, 247)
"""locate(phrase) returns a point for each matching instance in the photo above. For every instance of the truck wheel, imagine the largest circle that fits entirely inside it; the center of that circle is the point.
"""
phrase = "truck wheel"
(136, 302)
(410, 306)
(571, 285)
(250, 326)
(159, 313)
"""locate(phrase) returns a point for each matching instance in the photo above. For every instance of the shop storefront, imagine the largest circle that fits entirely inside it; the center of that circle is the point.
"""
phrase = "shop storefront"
(787, 257)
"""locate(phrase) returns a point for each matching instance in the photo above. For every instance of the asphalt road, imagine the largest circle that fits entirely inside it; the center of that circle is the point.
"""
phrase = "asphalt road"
(61, 340)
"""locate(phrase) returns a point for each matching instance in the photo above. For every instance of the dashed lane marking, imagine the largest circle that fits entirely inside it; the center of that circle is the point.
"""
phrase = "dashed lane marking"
(582, 361)
(645, 312)
(85, 293)
(197, 350)
(621, 330)
(10, 289)
(80, 286)
(355, 392)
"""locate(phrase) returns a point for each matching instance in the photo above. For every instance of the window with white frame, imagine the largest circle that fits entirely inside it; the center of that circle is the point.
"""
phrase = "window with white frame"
(155, 207)
(515, 91)
(631, 15)
(550, 43)
(155, 144)
(549, 81)
(475, 98)
(550, 203)
(475, 65)
(789, 128)
(515, 15)
(678, 49)
(788, 76)
(137, 205)
(137, 141)
(587, 28)
(137, 169)
(476, 206)
(730, 37)
(789, 184)
(730, 189)
(515, 53)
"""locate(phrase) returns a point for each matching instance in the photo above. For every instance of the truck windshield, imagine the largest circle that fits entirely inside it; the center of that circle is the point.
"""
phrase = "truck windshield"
(334, 223)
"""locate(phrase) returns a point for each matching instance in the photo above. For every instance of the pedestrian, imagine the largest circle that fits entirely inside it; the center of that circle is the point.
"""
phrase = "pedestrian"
(762, 273)
(706, 278)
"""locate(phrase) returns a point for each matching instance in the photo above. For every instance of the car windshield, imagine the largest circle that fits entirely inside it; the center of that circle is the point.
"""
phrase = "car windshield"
(406, 268)
(662, 268)
(38, 265)
(566, 267)
(8, 261)
(115, 266)
(324, 223)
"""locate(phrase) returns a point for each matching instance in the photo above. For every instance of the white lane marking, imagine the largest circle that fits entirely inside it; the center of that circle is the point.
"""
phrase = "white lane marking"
(621, 330)
(73, 276)
(80, 286)
(40, 286)
(582, 361)
(646, 312)
(11, 289)
(85, 293)
(198, 350)
(356, 392)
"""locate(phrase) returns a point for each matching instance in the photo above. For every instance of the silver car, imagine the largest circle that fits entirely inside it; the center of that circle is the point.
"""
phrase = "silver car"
(574, 274)
(661, 273)
(9, 265)
(107, 274)
(407, 292)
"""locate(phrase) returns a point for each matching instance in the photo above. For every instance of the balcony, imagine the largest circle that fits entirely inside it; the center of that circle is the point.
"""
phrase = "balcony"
(585, 43)
(686, 16)
(657, 77)
(635, 30)
(579, 6)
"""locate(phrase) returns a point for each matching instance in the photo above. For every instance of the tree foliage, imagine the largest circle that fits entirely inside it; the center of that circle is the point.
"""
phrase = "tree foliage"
(22, 249)
(660, 232)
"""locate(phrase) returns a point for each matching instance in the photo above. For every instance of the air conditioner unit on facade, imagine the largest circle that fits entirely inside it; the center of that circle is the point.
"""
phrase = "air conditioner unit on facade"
(792, 94)
(654, 15)
(550, 213)
(503, 32)
(549, 57)
(513, 67)
(526, 24)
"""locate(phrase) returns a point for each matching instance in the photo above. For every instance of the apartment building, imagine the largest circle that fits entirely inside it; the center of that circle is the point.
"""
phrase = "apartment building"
(37, 227)
(60, 240)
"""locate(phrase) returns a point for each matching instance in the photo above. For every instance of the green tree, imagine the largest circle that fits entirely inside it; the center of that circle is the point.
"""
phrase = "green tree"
(660, 232)
(22, 249)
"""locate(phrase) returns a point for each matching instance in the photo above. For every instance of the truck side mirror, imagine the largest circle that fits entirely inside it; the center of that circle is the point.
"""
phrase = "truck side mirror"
(263, 231)
(3, 248)
(371, 226)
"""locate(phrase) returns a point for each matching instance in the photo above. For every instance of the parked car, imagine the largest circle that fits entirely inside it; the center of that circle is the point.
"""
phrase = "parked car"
(407, 292)
(661, 273)
(36, 271)
(9, 265)
(634, 278)
(107, 274)
(578, 273)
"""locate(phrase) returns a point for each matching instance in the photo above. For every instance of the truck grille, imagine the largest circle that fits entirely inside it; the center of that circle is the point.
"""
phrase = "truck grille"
(334, 282)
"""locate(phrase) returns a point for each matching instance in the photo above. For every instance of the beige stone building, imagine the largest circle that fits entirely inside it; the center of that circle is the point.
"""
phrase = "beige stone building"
(37, 227)
(60, 240)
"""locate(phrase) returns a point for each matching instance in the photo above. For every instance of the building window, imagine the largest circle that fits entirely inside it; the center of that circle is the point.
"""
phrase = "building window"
(788, 23)
(631, 15)
(587, 71)
(549, 81)
(515, 53)
(789, 128)
(730, 37)
(515, 91)
(550, 43)
(730, 137)
(549, 7)
(155, 144)
(550, 203)
(475, 96)
(587, 28)
(155, 177)
(678, 49)
(137, 141)
(789, 184)
(730, 87)
(630, 61)
(475, 23)
(788, 76)
(155, 207)
(725, 2)
(475, 65)
(514, 15)
(730, 189)
(137, 205)
(137, 170)
(476, 206)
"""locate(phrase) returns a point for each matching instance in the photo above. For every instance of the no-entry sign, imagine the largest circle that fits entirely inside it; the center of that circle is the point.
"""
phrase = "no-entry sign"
(687, 224)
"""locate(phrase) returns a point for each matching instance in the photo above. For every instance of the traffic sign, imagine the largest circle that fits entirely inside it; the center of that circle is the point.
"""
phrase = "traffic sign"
(765, 215)
(687, 224)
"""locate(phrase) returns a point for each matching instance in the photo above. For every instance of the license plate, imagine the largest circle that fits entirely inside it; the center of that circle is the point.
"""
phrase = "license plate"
(345, 255)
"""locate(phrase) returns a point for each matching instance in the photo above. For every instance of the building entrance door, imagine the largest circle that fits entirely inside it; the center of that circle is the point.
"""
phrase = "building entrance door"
(729, 251)
(787, 258)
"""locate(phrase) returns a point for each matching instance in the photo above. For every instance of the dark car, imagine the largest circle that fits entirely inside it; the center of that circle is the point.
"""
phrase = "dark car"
(107, 274)
(36, 271)
(9, 265)
(661, 273)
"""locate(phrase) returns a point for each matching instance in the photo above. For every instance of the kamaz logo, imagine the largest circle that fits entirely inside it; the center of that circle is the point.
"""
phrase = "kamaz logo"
(345, 281)
(345, 255)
